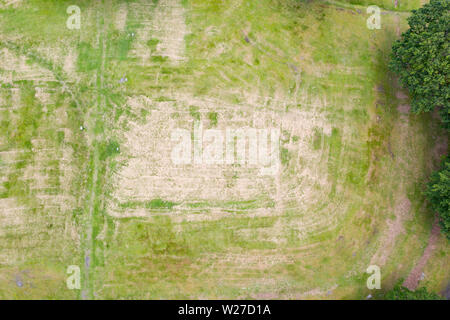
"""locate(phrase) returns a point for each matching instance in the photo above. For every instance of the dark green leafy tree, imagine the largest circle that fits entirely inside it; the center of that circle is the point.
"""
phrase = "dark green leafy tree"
(422, 58)
(438, 194)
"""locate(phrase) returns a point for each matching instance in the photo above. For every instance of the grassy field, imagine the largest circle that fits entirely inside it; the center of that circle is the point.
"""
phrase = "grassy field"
(87, 177)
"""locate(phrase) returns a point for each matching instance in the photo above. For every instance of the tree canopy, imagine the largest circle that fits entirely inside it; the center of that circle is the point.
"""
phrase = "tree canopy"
(421, 57)
(438, 194)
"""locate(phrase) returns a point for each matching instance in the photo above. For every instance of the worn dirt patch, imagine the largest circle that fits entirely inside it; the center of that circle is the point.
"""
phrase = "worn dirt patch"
(36, 217)
(413, 279)
(401, 95)
(441, 147)
(10, 3)
(212, 192)
(164, 23)
(17, 68)
(170, 28)
(395, 228)
(121, 17)
(404, 108)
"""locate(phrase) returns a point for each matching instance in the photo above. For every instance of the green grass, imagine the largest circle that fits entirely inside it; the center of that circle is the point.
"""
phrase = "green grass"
(348, 151)
(237, 255)
(405, 5)
(152, 204)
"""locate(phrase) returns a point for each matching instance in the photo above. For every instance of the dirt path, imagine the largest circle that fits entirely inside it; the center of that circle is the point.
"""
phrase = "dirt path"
(395, 228)
(413, 279)
(92, 137)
